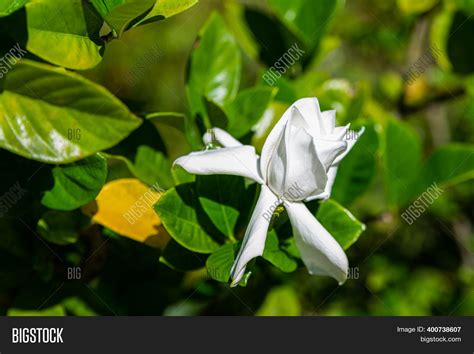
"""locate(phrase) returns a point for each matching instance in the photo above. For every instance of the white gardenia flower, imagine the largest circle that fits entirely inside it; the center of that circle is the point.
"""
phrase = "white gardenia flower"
(299, 163)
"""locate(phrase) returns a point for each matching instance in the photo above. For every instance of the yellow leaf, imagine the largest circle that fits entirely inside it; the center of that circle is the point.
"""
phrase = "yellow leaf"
(126, 207)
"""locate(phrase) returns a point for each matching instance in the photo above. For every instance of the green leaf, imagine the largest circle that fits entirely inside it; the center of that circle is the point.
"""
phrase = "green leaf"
(54, 116)
(215, 66)
(448, 165)
(7, 7)
(357, 169)
(59, 227)
(416, 7)
(122, 14)
(166, 8)
(308, 19)
(57, 310)
(277, 254)
(247, 109)
(340, 223)
(220, 262)
(178, 132)
(152, 167)
(65, 33)
(280, 301)
(182, 215)
(220, 197)
(76, 184)
(402, 160)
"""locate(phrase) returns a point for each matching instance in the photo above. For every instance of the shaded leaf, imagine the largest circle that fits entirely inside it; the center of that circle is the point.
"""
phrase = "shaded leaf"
(402, 160)
(277, 254)
(183, 217)
(357, 170)
(76, 184)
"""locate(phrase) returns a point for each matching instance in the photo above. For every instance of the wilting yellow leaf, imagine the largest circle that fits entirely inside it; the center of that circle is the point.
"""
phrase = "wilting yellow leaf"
(126, 207)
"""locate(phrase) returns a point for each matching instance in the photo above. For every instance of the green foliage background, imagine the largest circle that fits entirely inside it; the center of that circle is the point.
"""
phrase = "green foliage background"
(142, 89)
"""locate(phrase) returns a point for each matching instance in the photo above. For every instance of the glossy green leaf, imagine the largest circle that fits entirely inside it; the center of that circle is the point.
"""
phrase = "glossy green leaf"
(280, 301)
(308, 19)
(7, 7)
(220, 262)
(247, 109)
(449, 165)
(220, 198)
(72, 42)
(76, 184)
(277, 254)
(215, 66)
(357, 170)
(181, 214)
(402, 161)
(59, 227)
(340, 223)
(166, 8)
(122, 14)
(54, 116)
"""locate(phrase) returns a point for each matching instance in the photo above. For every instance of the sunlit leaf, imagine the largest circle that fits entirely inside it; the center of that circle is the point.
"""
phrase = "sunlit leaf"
(121, 14)
(72, 42)
(247, 109)
(54, 116)
(340, 223)
(280, 301)
(306, 18)
(215, 66)
(166, 8)
(9, 6)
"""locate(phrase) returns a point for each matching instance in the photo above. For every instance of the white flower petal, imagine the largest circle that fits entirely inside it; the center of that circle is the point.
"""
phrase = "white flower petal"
(239, 161)
(320, 252)
(328, 121)
(253, 244)
(220, 136)
(295, 170)
(331, 175)
(309, 109)
(329, 150)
